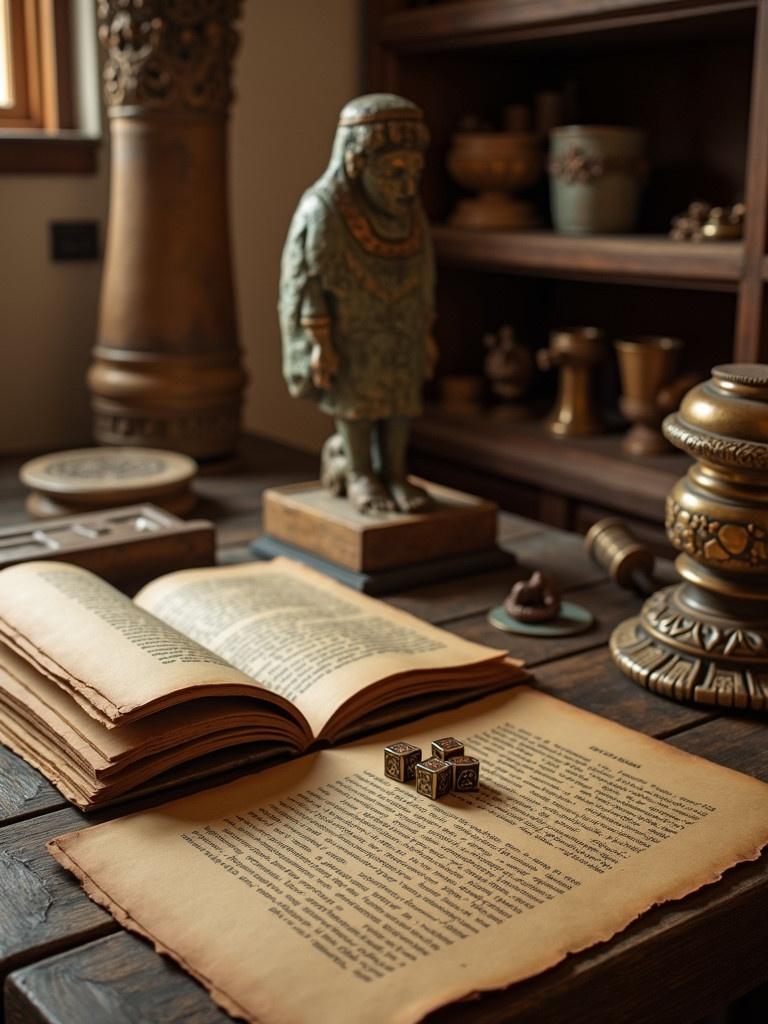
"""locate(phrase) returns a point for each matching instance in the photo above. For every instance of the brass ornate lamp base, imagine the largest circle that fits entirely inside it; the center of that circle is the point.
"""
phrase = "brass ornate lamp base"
(706, 639)
(672, 650)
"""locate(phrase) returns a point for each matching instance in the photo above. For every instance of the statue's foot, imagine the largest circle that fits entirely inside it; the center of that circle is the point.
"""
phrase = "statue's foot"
(368, 495)
(407, 497)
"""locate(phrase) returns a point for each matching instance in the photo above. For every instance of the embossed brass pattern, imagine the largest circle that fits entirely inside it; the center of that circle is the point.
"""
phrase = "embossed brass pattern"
(706, 639)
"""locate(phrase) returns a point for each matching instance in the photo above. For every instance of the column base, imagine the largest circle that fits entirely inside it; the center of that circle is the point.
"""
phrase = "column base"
(673, 650)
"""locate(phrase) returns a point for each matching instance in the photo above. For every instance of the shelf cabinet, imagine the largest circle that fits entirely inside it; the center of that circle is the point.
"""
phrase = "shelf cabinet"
(640, 259)
(693, 74)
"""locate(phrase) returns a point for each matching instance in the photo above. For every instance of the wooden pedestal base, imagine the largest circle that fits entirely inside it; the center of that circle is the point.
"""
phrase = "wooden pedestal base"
(386, 552)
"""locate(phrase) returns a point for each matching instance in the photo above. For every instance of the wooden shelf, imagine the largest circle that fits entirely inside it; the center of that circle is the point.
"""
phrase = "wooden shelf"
(692, 74)
(642, 259)
(592, 469)
(452, 26)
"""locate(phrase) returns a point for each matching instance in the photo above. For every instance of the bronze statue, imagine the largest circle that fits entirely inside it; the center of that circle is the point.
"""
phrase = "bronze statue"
(534, 600)
(357, 300)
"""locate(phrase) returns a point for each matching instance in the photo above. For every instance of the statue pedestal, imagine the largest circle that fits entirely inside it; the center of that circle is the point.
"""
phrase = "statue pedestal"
(386, 552)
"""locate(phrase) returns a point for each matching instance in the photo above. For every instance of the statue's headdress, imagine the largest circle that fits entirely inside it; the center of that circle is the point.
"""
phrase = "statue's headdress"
(374, 122)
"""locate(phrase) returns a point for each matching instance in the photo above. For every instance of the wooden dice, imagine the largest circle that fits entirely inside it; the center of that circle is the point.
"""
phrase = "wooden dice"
(447, 747)
(433, 777)
(400, 760)
(465, 773)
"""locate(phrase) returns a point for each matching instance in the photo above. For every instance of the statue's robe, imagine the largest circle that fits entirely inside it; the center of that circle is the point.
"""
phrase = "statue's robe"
(378, 296)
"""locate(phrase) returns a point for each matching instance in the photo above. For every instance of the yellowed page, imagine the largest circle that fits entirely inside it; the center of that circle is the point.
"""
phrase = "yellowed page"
(116, 660)
(313, 641)
(51, 712)
(323, 891)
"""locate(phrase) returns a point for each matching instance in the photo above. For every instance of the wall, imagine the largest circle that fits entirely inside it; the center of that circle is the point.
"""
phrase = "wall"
(48, 310)
(296, 67)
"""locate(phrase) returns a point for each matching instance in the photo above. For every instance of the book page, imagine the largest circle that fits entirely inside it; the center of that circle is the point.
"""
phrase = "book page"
(313, 641)
(322, 890)
(114, 658)
(183, 730)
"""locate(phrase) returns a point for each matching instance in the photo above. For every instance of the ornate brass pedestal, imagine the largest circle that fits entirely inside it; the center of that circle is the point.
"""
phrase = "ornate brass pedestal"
(706, 639)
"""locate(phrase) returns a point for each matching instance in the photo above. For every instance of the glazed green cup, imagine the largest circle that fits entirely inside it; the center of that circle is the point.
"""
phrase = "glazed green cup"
(596, 174)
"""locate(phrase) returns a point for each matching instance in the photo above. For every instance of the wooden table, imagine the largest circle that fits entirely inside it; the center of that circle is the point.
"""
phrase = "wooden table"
(65, 960)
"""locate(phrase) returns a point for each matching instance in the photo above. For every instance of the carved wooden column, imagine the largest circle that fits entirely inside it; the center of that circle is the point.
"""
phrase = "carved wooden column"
(166, 369)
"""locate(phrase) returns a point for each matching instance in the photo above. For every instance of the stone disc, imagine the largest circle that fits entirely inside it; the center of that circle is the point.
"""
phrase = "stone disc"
(573, 618)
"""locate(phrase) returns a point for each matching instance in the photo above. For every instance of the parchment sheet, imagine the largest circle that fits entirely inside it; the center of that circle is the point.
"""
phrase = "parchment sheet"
(321, 890)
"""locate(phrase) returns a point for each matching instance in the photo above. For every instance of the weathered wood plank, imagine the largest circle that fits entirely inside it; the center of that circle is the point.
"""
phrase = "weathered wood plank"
(608, 604)
(591, 681)
(42, 907)
(117, 979)
(24, 792)
(512, 528)
(684, 951)
(556, 552)
(738, 742)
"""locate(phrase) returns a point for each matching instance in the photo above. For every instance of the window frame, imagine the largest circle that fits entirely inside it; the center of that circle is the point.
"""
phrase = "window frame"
(37, 134)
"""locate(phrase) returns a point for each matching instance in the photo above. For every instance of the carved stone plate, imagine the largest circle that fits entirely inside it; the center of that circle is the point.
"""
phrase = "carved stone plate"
(93, 478)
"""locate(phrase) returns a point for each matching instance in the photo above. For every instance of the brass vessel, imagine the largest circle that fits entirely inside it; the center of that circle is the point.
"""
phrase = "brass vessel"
(574, 352)
(495, 164)
(646, 366)
(706, 638)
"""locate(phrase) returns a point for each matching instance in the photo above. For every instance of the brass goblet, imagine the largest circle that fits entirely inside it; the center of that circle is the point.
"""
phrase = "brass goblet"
(575, 351)
(646, 366)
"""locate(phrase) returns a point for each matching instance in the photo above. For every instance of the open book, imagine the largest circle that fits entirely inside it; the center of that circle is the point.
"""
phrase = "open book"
(206, 668)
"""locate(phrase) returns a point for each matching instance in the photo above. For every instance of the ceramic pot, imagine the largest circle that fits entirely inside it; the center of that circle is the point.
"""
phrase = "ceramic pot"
(596, 175)
(495, 164)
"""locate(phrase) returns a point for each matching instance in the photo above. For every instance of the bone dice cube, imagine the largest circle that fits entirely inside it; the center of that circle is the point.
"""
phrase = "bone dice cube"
(465, 773)
(433, 778)
(447, 747)
(400, 760)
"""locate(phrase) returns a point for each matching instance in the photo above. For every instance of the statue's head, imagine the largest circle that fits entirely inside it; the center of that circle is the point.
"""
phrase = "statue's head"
(379, 147)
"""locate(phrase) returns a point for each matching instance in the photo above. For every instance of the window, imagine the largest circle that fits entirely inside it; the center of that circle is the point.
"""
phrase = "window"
(38, 131)
(6, 72)
(34, 76)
